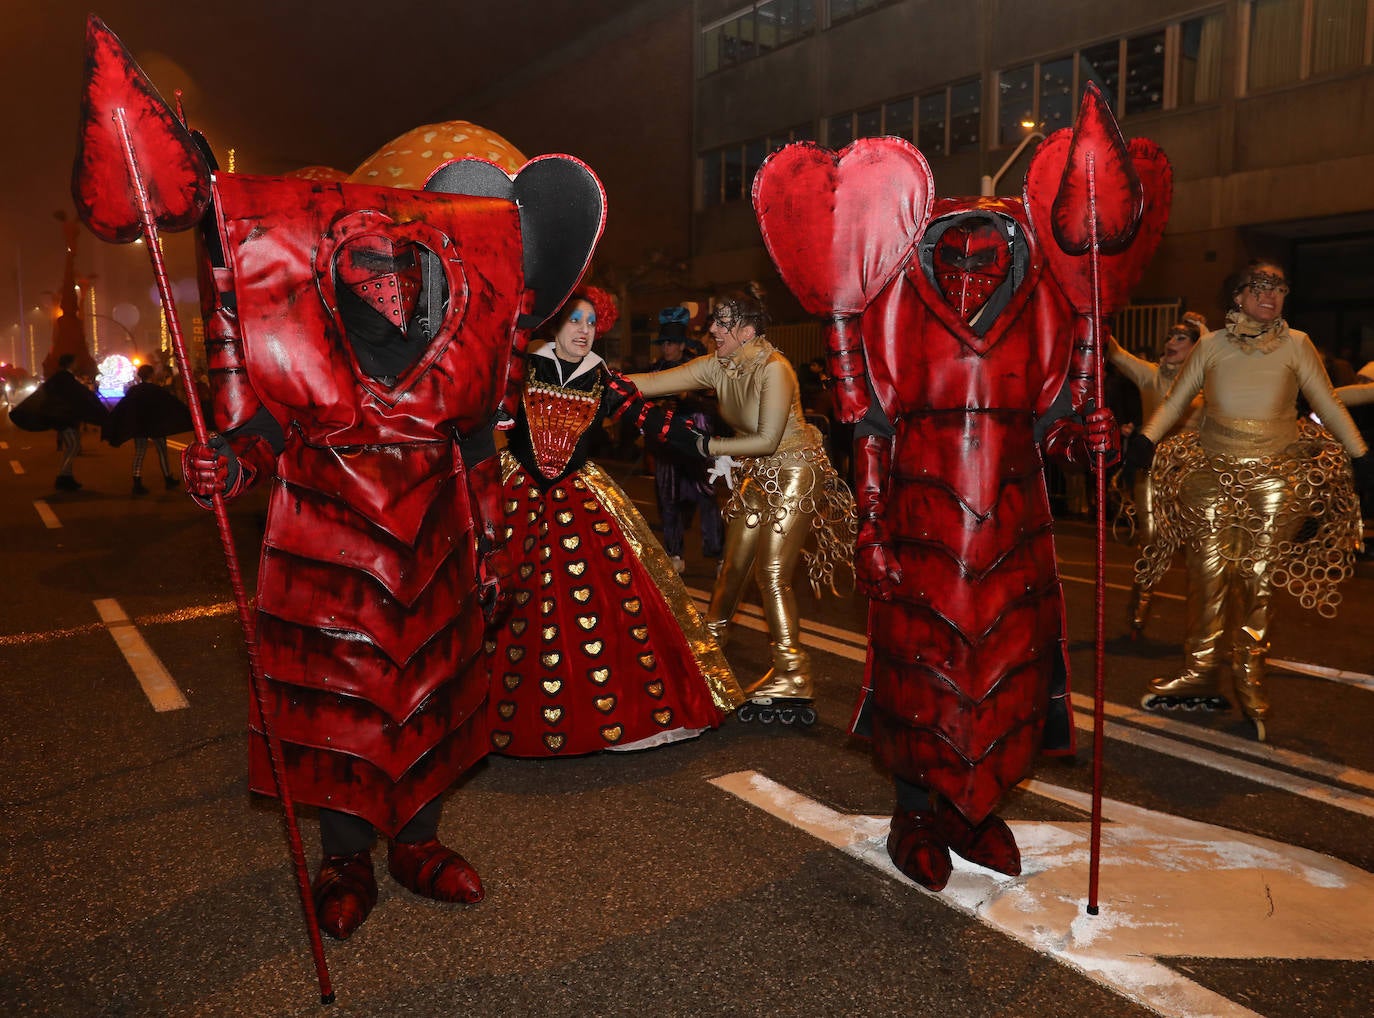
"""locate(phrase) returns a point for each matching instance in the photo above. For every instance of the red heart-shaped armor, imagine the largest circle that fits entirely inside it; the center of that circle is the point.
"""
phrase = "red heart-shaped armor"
(839, 226)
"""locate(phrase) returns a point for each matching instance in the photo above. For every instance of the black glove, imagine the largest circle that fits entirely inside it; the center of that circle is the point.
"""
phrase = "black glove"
(1140, 451)
(687, 443)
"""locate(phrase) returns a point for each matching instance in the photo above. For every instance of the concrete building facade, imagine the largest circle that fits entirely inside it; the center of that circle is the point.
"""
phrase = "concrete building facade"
(1265, 108)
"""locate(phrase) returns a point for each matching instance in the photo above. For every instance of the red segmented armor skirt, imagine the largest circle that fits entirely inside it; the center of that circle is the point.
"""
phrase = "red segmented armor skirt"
(368, 641)
(962, 658)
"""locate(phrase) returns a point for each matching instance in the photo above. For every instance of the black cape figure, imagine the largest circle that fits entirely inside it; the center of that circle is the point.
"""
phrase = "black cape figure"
(61, 402)
(146, 411)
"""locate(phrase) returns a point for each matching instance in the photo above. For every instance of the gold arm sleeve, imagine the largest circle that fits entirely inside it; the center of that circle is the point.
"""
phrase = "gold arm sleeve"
(777, 392)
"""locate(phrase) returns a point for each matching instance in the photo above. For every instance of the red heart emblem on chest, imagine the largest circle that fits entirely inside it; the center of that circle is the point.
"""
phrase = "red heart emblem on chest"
(839, 226)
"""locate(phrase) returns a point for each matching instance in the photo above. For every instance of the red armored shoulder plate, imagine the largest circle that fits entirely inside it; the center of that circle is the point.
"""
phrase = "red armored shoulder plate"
(839, 227)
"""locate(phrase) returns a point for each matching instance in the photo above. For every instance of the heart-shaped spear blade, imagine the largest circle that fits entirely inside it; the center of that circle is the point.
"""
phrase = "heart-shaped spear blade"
(1118, 199)
(174, 172)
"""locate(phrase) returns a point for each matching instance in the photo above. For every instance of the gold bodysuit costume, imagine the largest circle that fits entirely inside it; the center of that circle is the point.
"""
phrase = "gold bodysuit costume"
(785, 491)
(1258, 499)
(1153, 380)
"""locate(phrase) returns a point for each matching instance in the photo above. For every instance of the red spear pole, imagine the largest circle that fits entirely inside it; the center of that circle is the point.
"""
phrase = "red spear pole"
(1100, 578)
(231, 558)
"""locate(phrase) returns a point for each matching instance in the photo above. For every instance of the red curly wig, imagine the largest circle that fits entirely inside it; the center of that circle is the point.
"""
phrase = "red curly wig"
(603, 303)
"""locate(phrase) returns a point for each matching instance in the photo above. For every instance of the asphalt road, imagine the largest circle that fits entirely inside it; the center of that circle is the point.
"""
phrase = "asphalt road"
(738, 874)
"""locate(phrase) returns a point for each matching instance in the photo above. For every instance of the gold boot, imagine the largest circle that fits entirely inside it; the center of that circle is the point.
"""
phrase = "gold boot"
(1140, 609)
(1189, 689)
(784, 694)
(719, 630)
(1247, 672)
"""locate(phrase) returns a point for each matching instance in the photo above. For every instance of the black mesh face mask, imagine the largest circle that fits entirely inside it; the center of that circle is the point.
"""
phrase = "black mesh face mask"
(384, 350)
(734, 314)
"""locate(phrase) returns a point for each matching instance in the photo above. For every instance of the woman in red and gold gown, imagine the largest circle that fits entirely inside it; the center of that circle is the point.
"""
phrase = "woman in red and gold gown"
(602, 647)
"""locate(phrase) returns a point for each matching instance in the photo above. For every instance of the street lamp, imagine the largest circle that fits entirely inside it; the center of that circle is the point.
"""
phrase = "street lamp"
(133, 343)
(989, 184)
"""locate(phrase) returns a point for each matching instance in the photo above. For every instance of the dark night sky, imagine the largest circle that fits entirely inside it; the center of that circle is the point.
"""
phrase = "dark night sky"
(286, 83)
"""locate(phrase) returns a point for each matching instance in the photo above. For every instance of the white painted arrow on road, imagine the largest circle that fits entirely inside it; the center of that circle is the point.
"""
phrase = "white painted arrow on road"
(1169, 888)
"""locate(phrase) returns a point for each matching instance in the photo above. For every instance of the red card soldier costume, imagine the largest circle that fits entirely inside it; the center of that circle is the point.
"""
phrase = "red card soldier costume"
(359, 340)
(956, 341)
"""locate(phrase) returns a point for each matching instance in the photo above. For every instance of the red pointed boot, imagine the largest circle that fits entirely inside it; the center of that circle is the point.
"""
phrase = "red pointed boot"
(989, 843)
(345, 890)
(916, 849)
(430, 870)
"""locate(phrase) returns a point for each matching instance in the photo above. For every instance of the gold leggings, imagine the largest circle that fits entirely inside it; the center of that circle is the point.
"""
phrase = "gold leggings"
(1230, 586)
(764, 542)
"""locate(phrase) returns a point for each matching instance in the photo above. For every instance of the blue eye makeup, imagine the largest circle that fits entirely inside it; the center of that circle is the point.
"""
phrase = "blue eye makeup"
(579, 316)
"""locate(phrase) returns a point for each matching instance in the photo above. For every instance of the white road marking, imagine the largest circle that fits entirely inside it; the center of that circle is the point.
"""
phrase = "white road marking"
(1327, 795)
(1323, 672)
(1171, 888)
(1235, 744)
(157, 683)
(853, 644)
(1312, 784)
(1117, 586)
(46, 514)
(16, 466)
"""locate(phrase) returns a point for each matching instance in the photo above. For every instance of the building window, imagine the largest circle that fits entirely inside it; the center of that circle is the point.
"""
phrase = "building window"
(1177, 65)
(727, 173)
(1100, 64)
(839, 130)
(1275, 44)
(1057, 108)
(1199, 60)
(1015, 103)
(897, 118)
(932, 120)
(893, 117)
(965, 115)
(753, 31)
(1338, 34)
(1144, 78)
(710, 179)
(733, 173)
(950, 120)
(843, 10)
(1290, 40)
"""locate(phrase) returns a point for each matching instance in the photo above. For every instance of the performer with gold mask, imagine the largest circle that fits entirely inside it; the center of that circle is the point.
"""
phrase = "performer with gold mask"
(1154, 379)
(1258, 498)
(785, 489)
